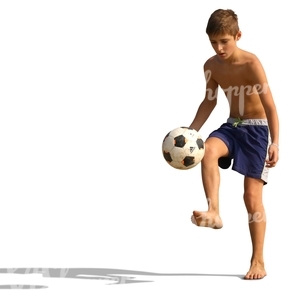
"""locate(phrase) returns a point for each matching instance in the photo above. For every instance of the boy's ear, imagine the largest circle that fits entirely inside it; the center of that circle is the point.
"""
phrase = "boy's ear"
(239, 35)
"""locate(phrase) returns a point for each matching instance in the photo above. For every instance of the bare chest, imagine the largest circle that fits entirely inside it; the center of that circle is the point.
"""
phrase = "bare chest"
(233, 77)
(241, 92)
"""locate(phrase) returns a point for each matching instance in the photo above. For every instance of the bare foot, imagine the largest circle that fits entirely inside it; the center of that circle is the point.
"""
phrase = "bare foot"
(207, 219)
(257, 271)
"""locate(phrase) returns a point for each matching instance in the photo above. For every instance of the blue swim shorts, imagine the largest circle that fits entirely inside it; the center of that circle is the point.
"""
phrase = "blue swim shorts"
(247, 141)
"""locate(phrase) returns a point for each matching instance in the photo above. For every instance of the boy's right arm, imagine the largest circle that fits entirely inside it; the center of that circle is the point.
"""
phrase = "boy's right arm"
(209, 102)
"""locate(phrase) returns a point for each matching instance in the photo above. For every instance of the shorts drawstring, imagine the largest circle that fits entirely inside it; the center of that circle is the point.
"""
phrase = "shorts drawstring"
(237, 122)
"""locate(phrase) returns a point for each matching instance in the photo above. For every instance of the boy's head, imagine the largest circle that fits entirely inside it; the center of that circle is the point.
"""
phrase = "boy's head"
(222, 22)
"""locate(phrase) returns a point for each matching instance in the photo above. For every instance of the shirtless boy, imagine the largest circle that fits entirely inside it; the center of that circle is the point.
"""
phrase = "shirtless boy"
(248, 138)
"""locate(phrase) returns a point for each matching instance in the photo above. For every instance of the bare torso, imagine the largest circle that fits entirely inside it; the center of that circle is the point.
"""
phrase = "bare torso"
(237, 80)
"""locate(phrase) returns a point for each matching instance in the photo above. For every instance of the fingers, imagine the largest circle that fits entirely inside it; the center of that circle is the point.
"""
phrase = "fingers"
(273, 157)
(270, 164)
(272, 161)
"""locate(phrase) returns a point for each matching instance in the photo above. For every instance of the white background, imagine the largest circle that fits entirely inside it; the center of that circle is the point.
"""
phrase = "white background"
(88, 90)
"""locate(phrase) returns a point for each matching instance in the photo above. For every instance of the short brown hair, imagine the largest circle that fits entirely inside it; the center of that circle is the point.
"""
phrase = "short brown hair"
(222, 21)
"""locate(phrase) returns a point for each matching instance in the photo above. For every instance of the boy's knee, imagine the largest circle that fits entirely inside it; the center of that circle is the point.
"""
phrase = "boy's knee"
(211, 152)
(253, 200)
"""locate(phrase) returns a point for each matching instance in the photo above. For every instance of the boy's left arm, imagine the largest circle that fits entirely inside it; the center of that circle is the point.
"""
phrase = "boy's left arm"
(272, 116)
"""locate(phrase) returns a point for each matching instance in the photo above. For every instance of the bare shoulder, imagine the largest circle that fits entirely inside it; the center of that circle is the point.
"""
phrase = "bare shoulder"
(211, 68)
(252, 61)
(254, 67)
(210, 63)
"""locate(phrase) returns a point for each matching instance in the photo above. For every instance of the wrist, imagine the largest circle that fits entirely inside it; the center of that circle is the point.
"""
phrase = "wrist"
(276, 145)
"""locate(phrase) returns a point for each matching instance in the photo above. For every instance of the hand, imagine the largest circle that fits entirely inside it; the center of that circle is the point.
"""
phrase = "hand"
(273, 156)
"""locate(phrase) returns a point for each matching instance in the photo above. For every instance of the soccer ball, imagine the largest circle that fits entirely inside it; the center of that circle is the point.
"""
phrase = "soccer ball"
(183, 148)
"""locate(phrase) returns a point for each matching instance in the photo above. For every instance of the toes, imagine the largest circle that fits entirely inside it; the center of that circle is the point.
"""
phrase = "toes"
(253, 276)
(248, 276)
(196, 214)
(199, 223)
(193, 220)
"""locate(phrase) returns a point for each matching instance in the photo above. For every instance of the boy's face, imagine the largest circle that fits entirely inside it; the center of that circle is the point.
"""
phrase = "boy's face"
(224, 44)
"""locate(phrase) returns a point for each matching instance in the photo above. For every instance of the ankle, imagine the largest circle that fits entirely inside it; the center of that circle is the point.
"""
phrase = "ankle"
(213, 210)
(213, 206)
(256, 262)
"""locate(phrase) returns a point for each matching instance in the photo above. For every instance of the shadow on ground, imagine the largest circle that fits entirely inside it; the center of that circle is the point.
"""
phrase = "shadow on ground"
(112, 276)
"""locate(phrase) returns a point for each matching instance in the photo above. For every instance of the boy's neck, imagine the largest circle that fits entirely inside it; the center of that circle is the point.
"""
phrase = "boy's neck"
(234, 58)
